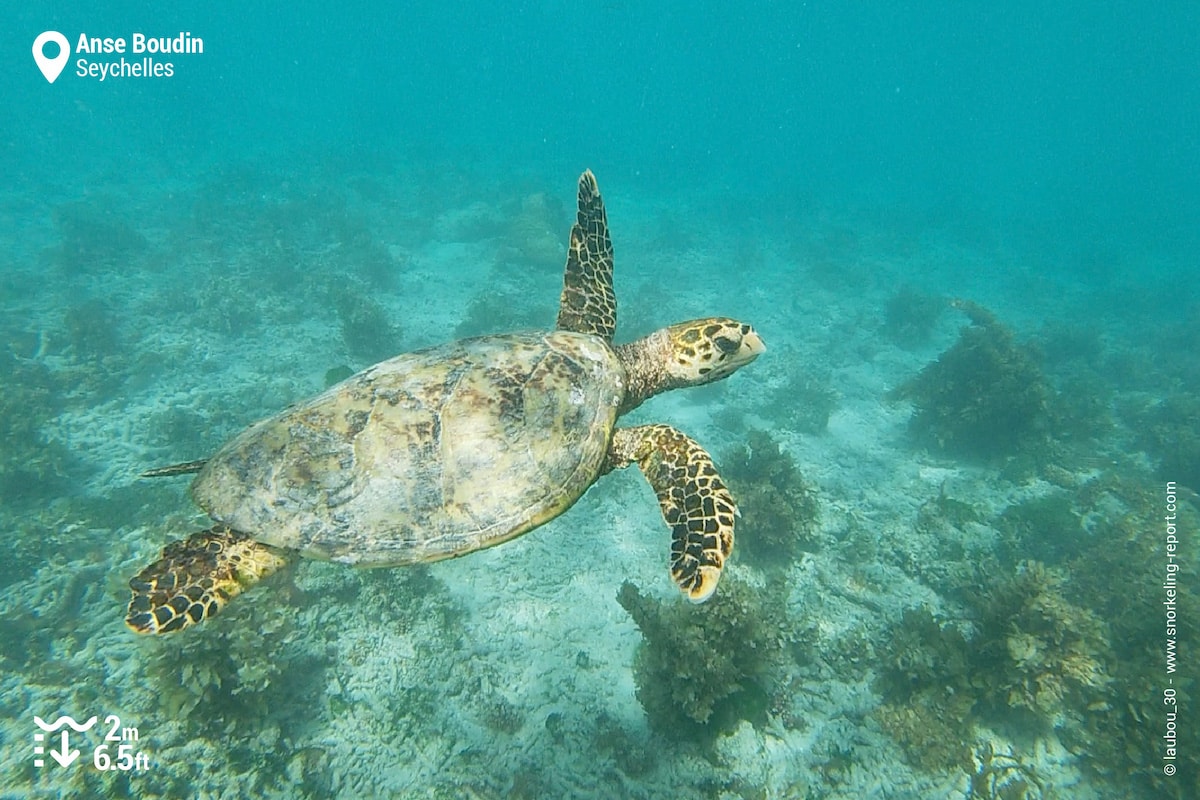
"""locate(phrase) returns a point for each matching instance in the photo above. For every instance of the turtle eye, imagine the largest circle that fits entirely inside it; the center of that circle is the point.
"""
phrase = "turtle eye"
(727, 345)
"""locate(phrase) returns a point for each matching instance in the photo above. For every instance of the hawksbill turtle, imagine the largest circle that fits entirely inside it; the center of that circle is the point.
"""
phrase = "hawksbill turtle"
(440, 452)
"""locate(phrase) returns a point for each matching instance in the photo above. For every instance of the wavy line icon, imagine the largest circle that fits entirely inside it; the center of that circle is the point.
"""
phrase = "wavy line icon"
(64, 720)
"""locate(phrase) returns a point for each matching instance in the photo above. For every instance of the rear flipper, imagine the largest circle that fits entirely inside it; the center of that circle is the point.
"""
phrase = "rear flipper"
(694, 501)
(196, 577)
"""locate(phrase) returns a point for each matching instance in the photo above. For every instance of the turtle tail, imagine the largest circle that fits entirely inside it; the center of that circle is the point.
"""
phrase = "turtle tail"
(196, 577)
(186, 468)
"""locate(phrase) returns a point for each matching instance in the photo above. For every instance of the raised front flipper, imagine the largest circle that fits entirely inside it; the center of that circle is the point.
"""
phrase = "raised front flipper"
(588, 304)
(695, 503)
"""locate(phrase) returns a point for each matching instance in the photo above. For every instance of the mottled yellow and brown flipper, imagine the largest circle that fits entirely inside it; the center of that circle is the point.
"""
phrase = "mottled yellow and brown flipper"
(196, 577)
(588, 304)
(695, 502)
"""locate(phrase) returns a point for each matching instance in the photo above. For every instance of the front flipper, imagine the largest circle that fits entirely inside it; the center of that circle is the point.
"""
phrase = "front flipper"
(695, 503)
(196, 577)
(588, 304)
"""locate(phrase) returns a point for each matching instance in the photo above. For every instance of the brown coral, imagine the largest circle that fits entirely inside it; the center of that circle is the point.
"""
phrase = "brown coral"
(779, 509)
(984, 397)
(702, 668)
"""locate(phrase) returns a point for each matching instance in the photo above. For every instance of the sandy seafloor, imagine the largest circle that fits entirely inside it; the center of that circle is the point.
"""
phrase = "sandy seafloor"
(151, 321)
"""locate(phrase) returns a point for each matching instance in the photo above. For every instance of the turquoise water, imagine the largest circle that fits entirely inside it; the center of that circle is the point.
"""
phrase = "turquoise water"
(966, 465)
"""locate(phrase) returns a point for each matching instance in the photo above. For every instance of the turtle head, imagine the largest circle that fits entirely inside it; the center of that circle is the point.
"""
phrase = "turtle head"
(687, 354)
(707, 350)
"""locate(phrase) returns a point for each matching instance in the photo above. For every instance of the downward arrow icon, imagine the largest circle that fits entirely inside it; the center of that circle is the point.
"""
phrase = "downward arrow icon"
(65, 756)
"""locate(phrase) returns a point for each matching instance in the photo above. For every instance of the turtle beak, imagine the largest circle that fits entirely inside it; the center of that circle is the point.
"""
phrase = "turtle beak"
(753, 344)
(740, 353)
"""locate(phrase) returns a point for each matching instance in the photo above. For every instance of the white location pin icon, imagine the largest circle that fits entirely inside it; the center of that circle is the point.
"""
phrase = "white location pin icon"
(51, 67)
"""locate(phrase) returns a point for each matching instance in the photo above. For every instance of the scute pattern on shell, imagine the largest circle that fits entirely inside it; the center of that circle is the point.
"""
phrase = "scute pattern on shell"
(428, 455)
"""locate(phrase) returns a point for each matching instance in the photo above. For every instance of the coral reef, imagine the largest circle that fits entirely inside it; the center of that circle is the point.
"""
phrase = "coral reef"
(1037, 670)
(932, 728)
(1106, 536)
(33, 467)
(335, 375)
(1169, 430)
(702, 668)
(248, 666)
(1046, 653)
(803, 403)
(1066, 347)
(95, 238)
(1033, 656)
(926, 688)
(631, 752)
(1045, 527)
(910, 316)
(779, 509)
(358, 253)
(920, 654)
(366, 330)
(90, 341)
(1081, 411)
(504, 306)
(994, 775)
(91, 330)
(984, 397)
(179, 429)
(266, 247)
(1074, 360)
(254, 682)
(947, 549)
(537, 232)
(229, 304)
(1121, 575)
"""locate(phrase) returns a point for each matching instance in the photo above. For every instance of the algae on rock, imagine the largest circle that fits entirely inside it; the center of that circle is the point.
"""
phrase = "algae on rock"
(1169, 431)
(984, 397)
(366, 330)
(803, 403)
(34, 468)
(1033, 658)
(910, 316)
(700, 669)
(779, 509)
(1048, 652)
(503, 306)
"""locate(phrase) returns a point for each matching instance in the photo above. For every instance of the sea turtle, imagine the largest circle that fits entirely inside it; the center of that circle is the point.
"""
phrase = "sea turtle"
(440, 452)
